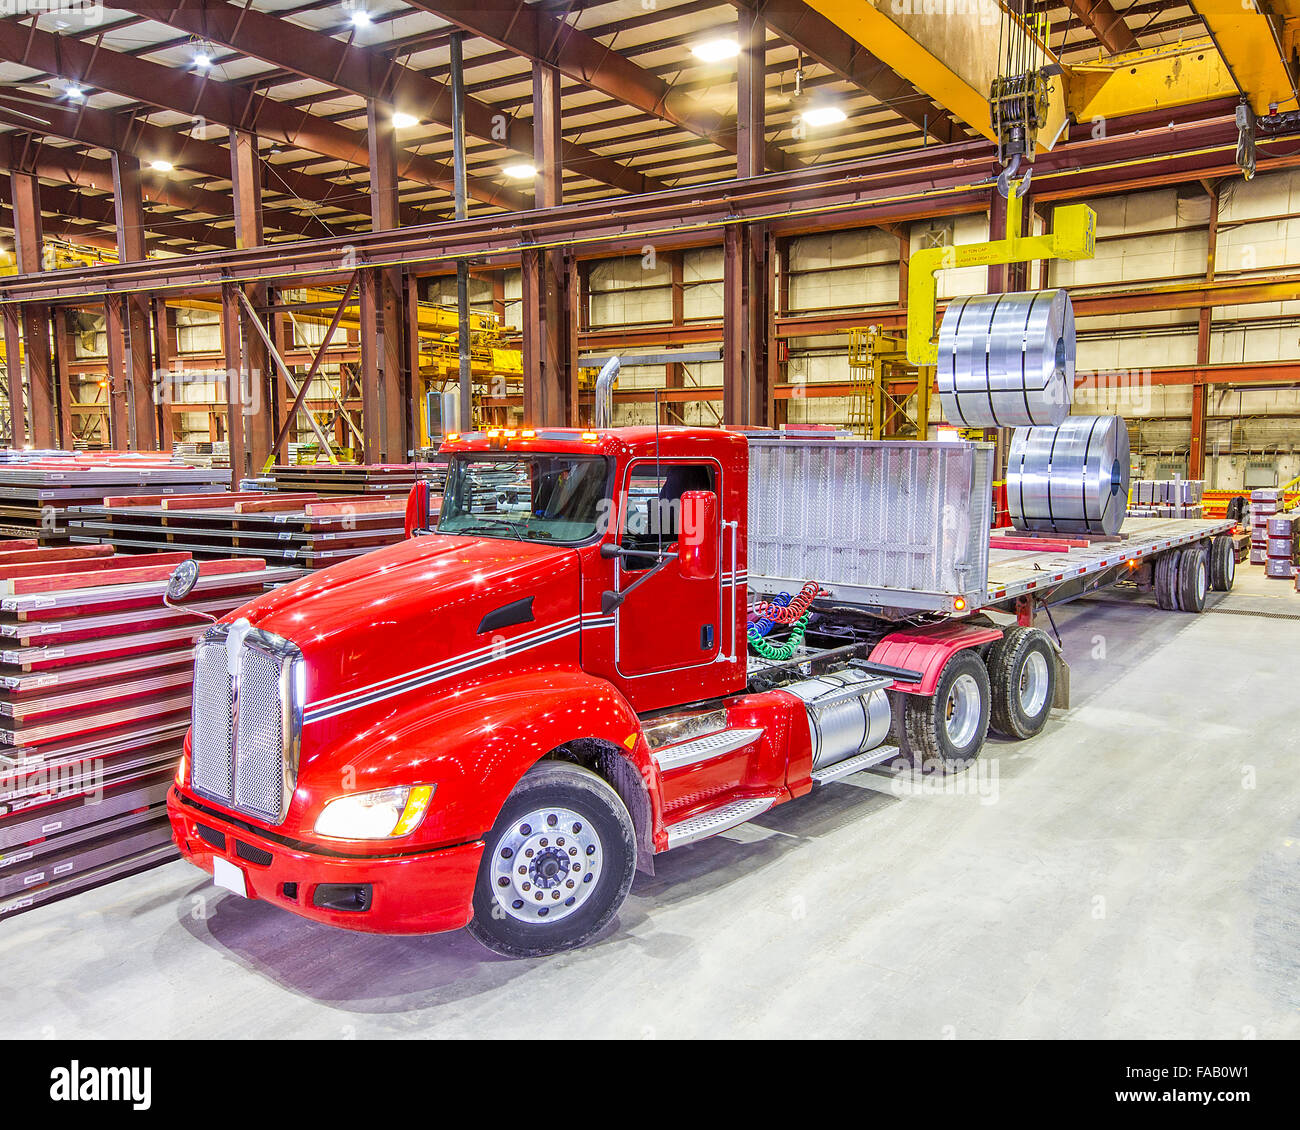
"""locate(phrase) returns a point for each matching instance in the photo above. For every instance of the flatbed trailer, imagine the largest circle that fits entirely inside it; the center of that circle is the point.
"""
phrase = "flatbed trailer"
(1025, 580)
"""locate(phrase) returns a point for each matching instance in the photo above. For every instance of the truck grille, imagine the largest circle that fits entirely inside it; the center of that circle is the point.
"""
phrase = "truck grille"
(244, 744)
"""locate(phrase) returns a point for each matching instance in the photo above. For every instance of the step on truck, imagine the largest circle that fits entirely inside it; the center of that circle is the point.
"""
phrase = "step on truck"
(614, 643)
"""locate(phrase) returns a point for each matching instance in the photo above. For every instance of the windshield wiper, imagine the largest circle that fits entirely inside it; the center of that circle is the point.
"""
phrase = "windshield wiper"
(489, 528)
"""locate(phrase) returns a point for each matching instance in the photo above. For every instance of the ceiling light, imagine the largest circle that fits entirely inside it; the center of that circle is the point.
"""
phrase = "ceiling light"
(161, 166)
(75, 92)
(202, 60)
(520, 172)
(404, 121)
(822, 116)
(360, 18)
(715, 50)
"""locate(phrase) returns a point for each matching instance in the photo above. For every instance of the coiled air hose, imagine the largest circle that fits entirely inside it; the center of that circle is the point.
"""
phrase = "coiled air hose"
(783, 610)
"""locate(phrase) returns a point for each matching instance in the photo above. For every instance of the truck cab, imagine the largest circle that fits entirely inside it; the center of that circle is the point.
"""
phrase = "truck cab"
(497, 721)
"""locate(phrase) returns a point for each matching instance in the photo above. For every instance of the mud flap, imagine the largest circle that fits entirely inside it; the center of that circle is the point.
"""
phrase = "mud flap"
(1061, 699)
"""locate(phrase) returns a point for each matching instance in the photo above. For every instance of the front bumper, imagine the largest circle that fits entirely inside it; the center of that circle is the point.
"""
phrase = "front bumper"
(407, 894)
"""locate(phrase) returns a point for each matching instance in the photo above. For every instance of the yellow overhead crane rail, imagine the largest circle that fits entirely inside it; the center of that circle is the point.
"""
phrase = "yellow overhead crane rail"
(1073, 236)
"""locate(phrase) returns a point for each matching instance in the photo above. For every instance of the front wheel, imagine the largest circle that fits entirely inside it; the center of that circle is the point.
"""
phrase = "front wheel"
(557, 864)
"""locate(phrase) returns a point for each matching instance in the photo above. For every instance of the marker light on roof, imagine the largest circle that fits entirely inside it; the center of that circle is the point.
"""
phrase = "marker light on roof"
(453, 436)
(528, 433)
(591, 437)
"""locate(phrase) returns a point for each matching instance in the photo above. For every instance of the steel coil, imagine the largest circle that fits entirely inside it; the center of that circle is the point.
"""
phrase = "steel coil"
(1071, 479)
(1007, 360)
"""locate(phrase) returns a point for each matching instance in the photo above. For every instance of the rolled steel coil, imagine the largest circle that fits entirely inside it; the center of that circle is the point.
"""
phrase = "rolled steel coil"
(1007, 360)
(1071, 479)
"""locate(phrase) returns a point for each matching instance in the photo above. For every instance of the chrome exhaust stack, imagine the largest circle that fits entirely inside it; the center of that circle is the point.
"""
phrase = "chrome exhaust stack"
(603, 414)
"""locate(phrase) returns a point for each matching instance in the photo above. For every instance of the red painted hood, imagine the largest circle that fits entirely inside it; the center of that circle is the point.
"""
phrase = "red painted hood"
(413, 604)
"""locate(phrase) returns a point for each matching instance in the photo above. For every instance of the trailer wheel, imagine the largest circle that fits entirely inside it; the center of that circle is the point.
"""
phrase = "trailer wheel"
(1223, 563)
(943, 732)
(557, 864)
(1022, 681)
(1193, 579)
(1167, 580)
(1173, 561)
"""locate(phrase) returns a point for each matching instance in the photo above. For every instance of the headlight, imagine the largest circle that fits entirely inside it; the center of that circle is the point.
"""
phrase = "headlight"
(182, 770)
(380, 815)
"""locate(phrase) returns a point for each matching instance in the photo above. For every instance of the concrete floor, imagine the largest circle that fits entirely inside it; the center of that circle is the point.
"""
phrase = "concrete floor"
(1132, 872)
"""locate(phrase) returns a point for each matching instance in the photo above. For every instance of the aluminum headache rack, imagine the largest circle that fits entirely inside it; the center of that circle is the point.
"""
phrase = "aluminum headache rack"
(879, 524)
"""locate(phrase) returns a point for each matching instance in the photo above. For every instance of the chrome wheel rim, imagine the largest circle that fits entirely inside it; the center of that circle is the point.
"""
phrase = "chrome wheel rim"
(1200, 579)
(1032, 689)
(1232, 566)
(962, 710)
(545, 865)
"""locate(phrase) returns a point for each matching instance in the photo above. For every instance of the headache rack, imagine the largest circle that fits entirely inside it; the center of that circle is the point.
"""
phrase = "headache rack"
(882, 525)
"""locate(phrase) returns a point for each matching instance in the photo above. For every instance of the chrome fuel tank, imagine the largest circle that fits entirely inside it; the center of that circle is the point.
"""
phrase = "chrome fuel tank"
(848, 714)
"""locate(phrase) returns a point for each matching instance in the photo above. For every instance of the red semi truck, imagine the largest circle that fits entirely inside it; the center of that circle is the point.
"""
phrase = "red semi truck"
(497, 722)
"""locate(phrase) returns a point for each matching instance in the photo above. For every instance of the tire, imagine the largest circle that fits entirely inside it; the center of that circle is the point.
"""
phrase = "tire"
(593, 835)
(1164, 590)
(1168, 584)
(1223, 563)
(1193, 579)
(1022, 682)
(943, 732)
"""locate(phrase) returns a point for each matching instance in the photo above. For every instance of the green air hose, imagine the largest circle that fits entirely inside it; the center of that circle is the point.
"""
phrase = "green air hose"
(787, 649)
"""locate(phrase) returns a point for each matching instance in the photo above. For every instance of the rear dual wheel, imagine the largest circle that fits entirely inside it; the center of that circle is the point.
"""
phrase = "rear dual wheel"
(1022, 677)
(1183, 579)
(1223, 563)
(943, 732)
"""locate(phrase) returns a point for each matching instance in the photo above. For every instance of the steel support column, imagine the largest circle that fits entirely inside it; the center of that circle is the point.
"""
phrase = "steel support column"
(387, 420)
(65, 353)
(751, 93)
(255, 369)
(548, 298)
(232, 346)
(544, 350)
(119, 377)
(1204, 325)
(747, 309)
(35, 318)
(166, 350)
(14, 374)
(128, 207)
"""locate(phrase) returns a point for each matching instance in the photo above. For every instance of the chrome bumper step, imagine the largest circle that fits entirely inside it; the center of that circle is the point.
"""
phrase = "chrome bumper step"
(717, 820)
(851, 765)
(692, 752)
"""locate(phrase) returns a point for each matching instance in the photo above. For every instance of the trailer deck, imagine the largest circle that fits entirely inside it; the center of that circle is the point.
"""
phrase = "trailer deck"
(1016, 573)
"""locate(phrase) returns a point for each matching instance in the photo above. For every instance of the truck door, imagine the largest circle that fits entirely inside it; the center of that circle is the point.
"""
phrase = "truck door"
(669, 623)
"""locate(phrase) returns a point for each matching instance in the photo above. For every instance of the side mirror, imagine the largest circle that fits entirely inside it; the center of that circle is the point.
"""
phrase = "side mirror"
(417, 508)
(699, 540)
(183, 579)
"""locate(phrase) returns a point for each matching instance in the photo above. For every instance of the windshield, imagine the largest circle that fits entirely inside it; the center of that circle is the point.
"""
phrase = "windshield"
(529, 497)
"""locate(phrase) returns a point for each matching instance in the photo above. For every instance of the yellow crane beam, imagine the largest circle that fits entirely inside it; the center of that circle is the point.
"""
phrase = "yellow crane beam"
(1253, 39)
(948, 51)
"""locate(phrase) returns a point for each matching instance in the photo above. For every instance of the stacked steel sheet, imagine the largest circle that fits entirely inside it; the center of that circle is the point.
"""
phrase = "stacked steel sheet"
(304, 530)
(1166, 498)
(381, 479)
(36, 493)
(1264, 504)
(1283, 546)
(95, 675)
